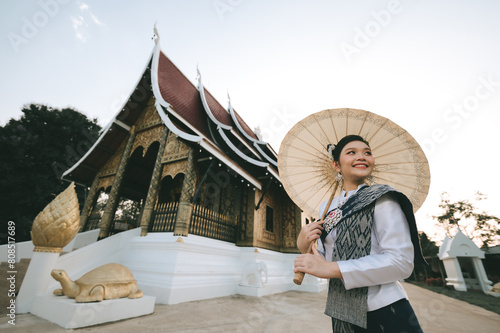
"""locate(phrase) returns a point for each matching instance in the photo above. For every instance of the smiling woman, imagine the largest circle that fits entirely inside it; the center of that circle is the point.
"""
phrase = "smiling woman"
(365, 247)
(366, 232)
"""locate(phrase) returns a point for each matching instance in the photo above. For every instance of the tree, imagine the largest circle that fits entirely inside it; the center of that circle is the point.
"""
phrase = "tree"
(35, 150)
(482, 228)
(429, 247)
(423, 271)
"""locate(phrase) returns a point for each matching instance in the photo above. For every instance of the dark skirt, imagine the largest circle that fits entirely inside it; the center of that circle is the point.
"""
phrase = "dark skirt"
(397, 317)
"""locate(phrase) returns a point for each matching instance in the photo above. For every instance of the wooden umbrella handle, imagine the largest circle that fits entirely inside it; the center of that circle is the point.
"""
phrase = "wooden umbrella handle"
(299, 276)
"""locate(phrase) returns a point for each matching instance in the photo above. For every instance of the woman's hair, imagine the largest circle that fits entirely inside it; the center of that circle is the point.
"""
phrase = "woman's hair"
(334, 150)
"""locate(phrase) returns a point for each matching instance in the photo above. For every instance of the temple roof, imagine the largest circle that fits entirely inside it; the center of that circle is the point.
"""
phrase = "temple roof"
(459, 246)
(191, 113)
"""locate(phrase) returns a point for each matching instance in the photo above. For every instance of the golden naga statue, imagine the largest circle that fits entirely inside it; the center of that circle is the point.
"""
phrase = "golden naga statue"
(109, 281)
(58, 223)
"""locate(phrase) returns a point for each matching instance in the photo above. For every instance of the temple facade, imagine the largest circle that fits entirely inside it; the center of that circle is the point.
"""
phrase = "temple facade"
(183, 164)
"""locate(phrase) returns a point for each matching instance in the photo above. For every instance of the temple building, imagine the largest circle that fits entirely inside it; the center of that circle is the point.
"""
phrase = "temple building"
(187, 165)
(182, 193)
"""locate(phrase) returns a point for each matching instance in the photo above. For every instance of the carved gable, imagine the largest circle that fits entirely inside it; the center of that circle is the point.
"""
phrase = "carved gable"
(111, 165)
(174, 149)
(145, 138)
(148, 128)
(149, 117)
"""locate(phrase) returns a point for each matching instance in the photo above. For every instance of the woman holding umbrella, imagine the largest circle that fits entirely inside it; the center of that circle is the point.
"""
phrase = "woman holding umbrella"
(367, 242)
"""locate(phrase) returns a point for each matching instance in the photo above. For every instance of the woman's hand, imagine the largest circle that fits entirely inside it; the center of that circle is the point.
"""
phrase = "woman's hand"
(314, 264)
(308, 234)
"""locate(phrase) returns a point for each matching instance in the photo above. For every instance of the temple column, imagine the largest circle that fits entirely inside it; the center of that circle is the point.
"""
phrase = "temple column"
(297, 224)
(112, 204)
(247, 216)
(89, 203)
(153, 186)
(297, 219)
(184, 212)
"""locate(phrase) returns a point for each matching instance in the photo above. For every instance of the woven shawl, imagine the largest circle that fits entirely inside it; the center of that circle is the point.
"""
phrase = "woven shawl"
(353, 241)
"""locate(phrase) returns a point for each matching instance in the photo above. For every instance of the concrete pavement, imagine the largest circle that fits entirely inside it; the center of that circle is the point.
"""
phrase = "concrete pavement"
(291, 311)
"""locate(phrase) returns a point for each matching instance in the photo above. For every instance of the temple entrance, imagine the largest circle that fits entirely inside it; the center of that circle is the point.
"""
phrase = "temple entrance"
(170, 189)
(139, 171)
(469, 273)
(98, 210)
(127, 215)
(134, 188)
(165, 212)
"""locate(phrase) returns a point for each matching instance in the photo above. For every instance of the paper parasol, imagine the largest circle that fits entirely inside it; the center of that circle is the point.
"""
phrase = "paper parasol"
(306, 171)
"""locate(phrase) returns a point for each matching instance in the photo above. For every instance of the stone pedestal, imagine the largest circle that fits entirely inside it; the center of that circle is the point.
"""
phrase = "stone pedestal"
(66, 313)
(36, 280)
(53, 228)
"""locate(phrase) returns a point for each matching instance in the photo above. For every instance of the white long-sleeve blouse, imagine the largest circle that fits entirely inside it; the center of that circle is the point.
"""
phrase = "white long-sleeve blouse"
(390, 258)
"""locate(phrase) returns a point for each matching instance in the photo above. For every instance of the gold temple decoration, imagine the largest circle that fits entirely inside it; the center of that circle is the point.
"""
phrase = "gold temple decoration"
(108, 281)
(58, 223)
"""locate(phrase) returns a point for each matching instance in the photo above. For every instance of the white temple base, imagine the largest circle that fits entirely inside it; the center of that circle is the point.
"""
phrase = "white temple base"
(182, 269)
(68, 314)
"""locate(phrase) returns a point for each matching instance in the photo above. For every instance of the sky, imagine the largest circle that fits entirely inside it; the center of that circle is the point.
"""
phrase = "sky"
(431, 67)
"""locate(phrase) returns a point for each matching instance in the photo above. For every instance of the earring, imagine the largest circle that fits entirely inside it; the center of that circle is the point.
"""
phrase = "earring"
(370, 180)
(339, 179)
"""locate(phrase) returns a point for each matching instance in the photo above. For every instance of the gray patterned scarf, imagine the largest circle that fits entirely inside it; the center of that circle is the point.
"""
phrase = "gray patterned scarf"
(353, 241)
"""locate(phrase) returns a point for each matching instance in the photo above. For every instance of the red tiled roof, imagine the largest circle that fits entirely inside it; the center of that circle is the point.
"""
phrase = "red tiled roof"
(217, 110)
(244, 125)
(185, 100)
(184, 97)
(177, 90)
(181, 94)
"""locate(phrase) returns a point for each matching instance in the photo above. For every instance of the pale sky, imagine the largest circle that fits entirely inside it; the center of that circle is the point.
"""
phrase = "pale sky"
(432, 67)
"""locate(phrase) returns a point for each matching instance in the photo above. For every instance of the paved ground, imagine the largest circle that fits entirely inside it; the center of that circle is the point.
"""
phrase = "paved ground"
(287, 312)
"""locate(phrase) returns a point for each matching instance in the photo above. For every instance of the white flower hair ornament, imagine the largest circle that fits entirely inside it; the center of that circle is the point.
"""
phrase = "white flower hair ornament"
(330, 148)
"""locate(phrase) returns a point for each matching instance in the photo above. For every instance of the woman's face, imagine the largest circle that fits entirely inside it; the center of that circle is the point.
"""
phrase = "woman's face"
(355, 162)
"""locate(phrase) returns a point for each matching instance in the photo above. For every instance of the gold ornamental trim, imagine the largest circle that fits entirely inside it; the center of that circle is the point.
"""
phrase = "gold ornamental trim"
(47, 249)
(58, 223)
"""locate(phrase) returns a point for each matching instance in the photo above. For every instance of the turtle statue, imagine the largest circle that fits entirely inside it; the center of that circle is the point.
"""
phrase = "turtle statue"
(108, 281)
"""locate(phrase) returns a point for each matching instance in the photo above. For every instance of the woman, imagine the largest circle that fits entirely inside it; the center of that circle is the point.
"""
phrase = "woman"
(366, 244)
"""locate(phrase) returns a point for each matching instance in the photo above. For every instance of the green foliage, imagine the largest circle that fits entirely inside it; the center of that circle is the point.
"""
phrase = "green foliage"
(36, 150)
(478, 226)
(429, 247)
